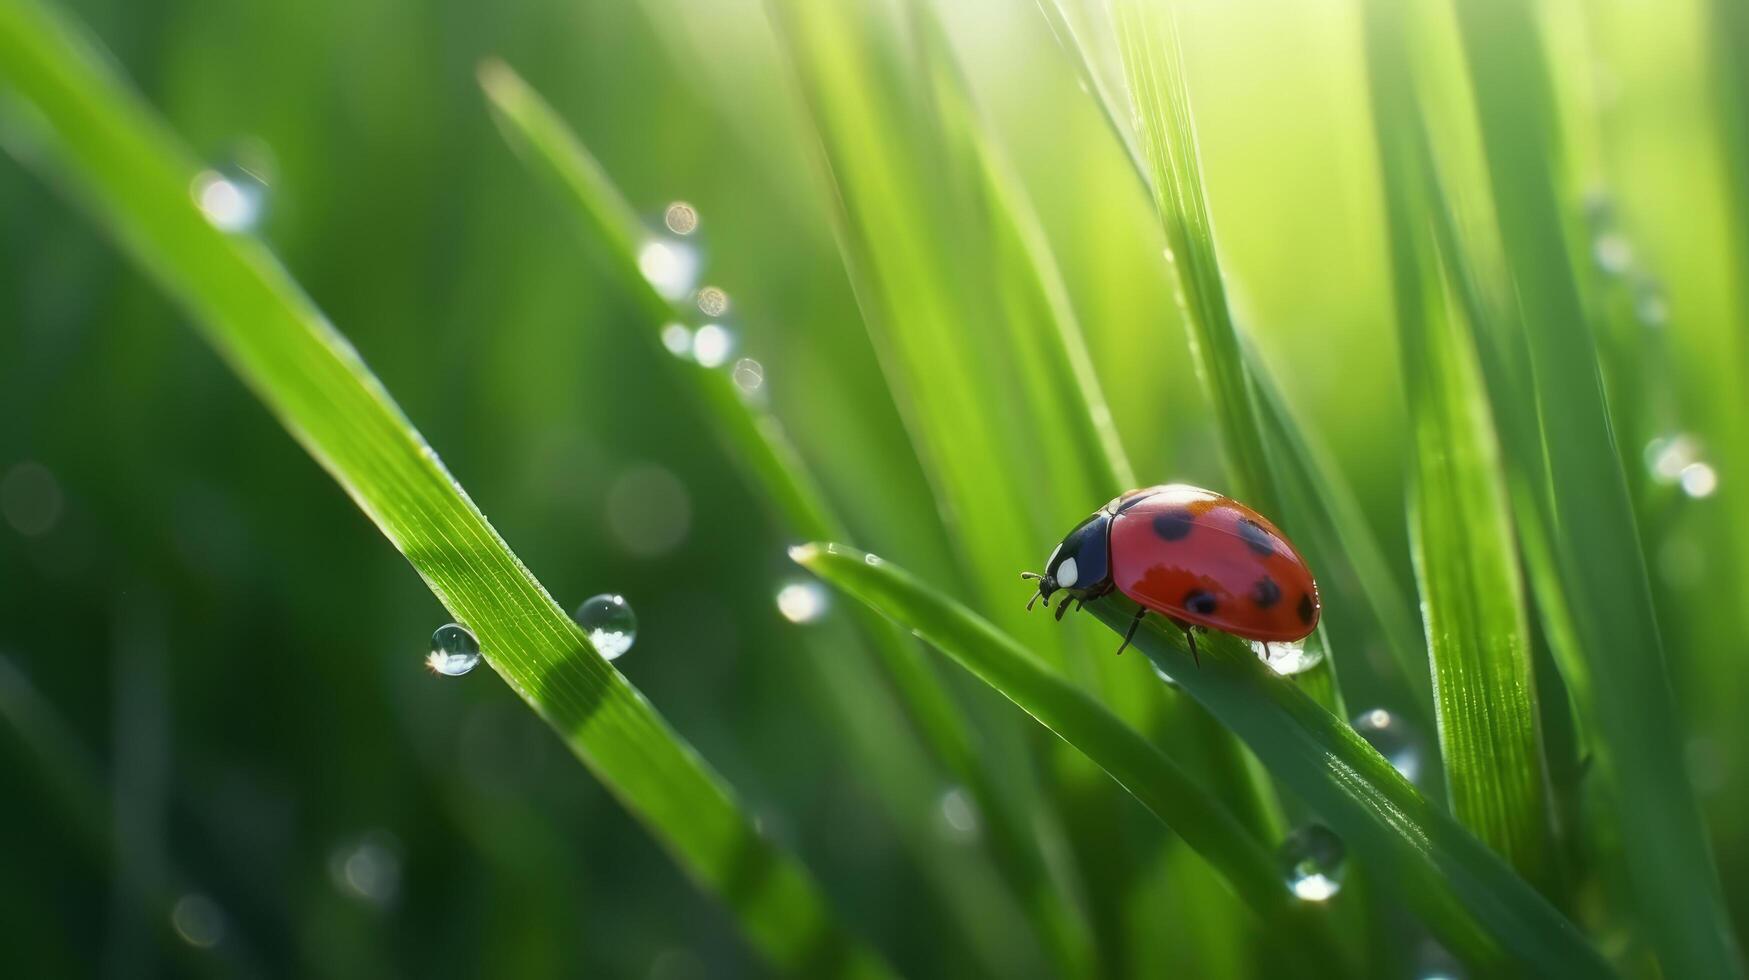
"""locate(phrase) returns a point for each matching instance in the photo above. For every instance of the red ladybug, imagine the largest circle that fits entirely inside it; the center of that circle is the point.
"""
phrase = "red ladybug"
(1191, 555)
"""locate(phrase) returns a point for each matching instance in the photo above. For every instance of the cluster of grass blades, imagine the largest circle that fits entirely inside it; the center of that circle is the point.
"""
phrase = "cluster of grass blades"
(1511, 465)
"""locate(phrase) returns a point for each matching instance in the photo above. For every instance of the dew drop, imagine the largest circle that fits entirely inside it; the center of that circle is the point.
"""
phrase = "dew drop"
(233, 199)
(670, 266)
(802, 602)
(454, 650)
(1313, 860)
(749, 375)
(1667, 456)
(1613, 253)
(958, 814)
(610, 623)
(1699, 480)
(198, 920)
(368, 869)
(681, 218)
(677, 339)
(712, 301)
(1435, 962)
(1288, 659)
(1392, 738)
(711, 345)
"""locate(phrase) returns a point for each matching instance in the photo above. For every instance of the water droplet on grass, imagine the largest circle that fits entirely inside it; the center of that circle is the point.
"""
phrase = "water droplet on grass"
(1313, 860)
(670, 266)
(959, 815)
(749, 375)
(677, 339)
(681, 218)
(610, 623)
(1667, 455)
(368, 869)
(712, 301)
(1698, 480)
(1613, 253)
(1392, 738)
(198, 920)
(801, 602)
(1288, 659)
(711, 345)
(233, 199)
(454, 650)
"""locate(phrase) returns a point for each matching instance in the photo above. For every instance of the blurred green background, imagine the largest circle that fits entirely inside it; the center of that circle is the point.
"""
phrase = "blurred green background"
(214, 630)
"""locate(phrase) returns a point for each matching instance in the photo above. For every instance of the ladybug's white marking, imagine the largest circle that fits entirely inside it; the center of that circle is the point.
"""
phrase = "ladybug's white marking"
(1067, 573)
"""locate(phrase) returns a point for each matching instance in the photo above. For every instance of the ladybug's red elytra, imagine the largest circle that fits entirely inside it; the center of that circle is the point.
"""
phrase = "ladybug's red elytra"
(1191, 555)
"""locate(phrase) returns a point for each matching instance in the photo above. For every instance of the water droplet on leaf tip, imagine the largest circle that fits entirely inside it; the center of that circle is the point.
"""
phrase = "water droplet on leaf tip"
(454, 650)
(611, 625)
(801, 602)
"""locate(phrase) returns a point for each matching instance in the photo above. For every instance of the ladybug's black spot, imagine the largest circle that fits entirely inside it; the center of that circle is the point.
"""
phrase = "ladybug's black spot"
(1256, 538)
(1200, 601)
(1174, 525)
(1265, 593)
(1305, 610)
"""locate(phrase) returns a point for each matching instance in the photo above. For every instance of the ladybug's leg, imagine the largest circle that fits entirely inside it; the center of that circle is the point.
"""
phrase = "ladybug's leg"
(1268, 654)
(1190, 638)
(1143, 611)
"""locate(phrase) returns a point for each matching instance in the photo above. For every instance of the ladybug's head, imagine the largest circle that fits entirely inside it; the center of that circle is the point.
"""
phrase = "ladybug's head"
(1080, 567)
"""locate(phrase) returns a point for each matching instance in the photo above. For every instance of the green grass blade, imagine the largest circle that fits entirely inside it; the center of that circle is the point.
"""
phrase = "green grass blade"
(136, 178)
(1460, 523)
(756, 439)
(1138, 765)
(1630, 707)
(1272, 463)
(964, 306)
(1461, 889)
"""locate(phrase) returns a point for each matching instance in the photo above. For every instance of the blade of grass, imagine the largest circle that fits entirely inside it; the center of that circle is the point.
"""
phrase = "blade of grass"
(756, 440)
(1461, 525)
(1461, 889)
(966, 311)
(1137, 764)
(1272, 463)
(136, 179)
(1596, 549)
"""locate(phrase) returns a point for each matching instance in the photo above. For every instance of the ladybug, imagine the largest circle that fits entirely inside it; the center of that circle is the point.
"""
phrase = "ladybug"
(1191, 555)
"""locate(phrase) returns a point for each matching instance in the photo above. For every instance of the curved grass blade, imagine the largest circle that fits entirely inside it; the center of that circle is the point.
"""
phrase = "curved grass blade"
(136, 178)
(1461, 528)
(1461, 889)
(963, 303)
(757, 441)
(1272, 462)
(1137, 765)
(1595, 552)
